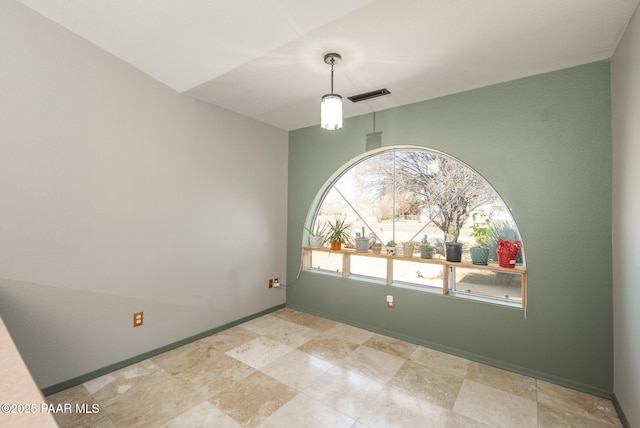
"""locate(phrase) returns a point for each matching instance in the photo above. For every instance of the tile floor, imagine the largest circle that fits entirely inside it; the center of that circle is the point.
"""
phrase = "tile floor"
(291, 369)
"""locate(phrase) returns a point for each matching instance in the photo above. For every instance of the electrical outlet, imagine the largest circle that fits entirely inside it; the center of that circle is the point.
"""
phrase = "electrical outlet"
(270, 283)
(137, 319)
(390, 302)
(276, 283)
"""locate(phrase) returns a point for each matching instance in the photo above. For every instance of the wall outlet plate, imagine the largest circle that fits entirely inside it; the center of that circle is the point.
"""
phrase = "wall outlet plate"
(138, 319)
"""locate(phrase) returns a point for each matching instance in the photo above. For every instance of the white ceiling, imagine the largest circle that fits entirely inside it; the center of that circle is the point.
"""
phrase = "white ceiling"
(264, 58)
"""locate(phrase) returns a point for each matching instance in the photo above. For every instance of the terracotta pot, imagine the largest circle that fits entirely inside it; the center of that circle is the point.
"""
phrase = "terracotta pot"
(336, 246)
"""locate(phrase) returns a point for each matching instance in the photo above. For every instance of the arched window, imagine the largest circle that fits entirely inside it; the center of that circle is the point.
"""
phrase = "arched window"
(413, 195)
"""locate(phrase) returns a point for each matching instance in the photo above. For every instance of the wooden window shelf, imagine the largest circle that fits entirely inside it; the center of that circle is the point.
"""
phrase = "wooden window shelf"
(447, 266)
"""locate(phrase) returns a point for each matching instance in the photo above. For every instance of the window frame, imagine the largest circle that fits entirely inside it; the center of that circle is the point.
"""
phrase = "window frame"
(449, 286)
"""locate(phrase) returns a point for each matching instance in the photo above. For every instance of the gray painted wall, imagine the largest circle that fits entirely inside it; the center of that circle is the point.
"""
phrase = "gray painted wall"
(625, 68)
(119, 195)
(544, 143)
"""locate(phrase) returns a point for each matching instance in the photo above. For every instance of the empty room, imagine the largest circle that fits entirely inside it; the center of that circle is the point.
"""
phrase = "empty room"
(366, 213)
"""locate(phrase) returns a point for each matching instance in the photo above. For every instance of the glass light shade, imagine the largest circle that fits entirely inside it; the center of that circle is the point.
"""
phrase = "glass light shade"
(331, 112)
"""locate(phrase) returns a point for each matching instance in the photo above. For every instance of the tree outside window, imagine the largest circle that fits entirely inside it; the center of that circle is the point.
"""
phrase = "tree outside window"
(403, 194)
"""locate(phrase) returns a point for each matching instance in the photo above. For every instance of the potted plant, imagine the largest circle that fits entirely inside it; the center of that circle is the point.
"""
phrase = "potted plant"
(317, 235)
(339, 233)
(407, 248)
(377, 248)
(362, 242)
(454, 251)
(391, 248)
(481, 232)
(505, 230)
(426, 250)
(508, 252)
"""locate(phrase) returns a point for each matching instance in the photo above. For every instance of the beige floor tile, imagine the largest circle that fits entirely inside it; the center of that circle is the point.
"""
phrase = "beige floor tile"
(440, 362)
(204, 415)
(392, 346)
(372, 363)
(348, 392)
(252, 400)
(215, 375)
(304, 411)
(396, 408)
(112, 386)
(103, 422)
(307, 320)
(358, 424)
(230, 338)
(578, 403)
(457, 420)
(266, 324)
(259, 352)
(431, 384)
(297, 369)
(294, 336)
(350, 333)
(281, 331)
(550, 417)
(514, 383)
(329, 348)
(495, 407)
(150, 401)
(78, 395)
(180, 359)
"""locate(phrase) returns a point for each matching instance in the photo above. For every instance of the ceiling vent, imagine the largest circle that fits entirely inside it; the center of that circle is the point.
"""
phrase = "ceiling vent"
(369, 95)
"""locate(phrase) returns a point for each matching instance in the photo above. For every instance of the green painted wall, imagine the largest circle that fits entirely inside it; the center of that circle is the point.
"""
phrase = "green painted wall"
(544, 143)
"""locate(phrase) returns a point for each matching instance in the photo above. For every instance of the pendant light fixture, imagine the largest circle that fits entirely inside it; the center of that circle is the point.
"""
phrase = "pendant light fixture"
(331, 106)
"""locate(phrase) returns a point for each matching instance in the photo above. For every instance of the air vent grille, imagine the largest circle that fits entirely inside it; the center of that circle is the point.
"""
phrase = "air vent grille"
(368, 95)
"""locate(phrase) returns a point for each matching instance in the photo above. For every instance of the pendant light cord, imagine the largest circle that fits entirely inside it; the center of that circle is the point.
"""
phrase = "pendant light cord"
(332, 61)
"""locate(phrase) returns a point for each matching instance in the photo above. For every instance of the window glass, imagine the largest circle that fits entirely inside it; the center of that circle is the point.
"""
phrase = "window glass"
(369, 267)
(414, 194)
(416, 273)
(485, 283)
(331, 262)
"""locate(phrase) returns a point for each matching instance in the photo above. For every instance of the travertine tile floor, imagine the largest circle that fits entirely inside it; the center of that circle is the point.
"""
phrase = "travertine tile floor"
(291, 369)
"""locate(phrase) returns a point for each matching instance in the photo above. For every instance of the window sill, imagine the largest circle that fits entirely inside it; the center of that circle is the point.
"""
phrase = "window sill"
(448, 273)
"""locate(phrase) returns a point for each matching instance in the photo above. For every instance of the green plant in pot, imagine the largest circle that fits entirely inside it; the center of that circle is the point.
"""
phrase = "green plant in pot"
(339, 233)
(426, 250)
(317, 235)
(391, 248)
(377, 248)
(481, 232)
